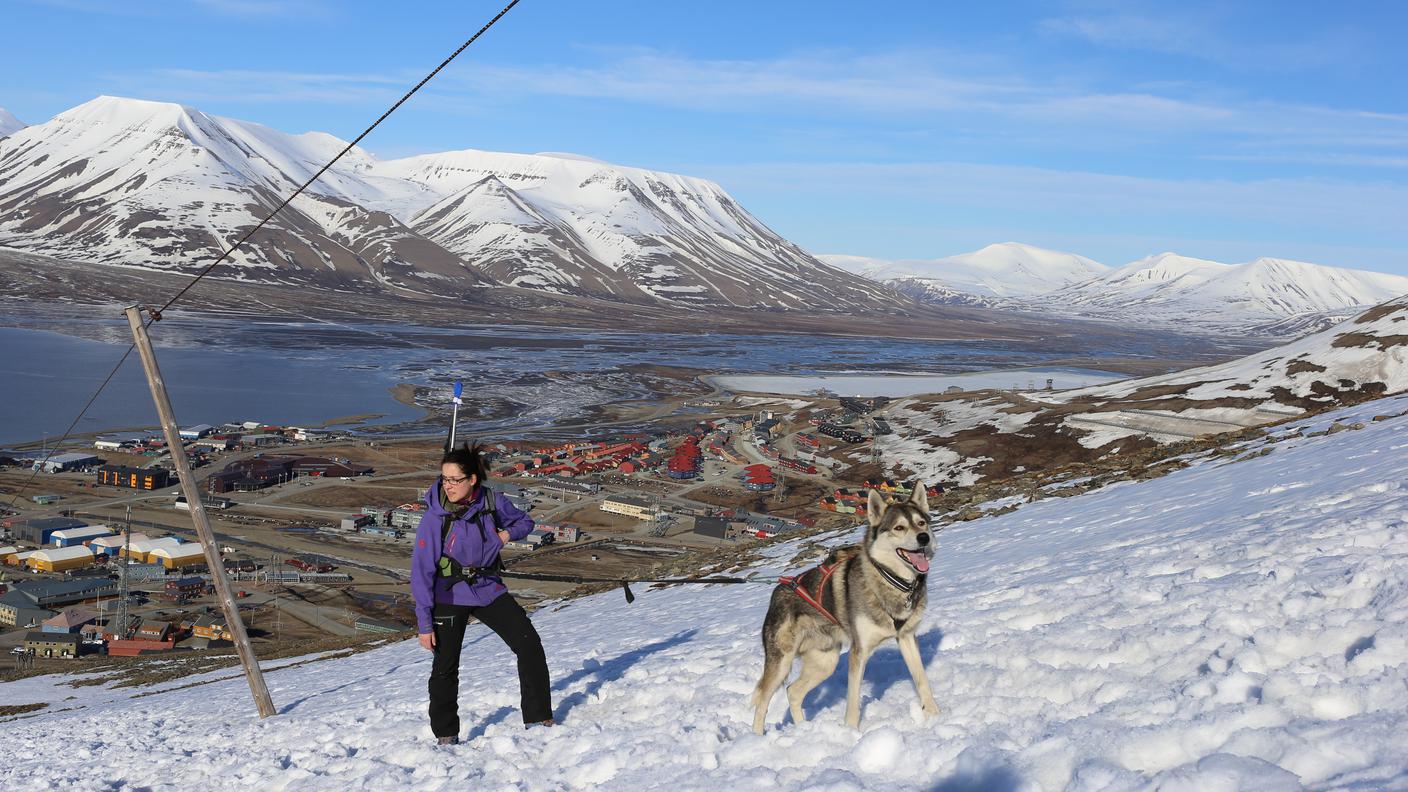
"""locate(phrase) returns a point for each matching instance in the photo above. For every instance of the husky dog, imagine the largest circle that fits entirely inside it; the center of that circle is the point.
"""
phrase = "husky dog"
(862, 595)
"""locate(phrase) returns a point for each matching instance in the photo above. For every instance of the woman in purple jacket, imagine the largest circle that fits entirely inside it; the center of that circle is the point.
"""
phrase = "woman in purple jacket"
(453, 580)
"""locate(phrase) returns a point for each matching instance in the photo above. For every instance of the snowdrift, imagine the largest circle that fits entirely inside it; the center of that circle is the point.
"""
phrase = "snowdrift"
(1238, 624)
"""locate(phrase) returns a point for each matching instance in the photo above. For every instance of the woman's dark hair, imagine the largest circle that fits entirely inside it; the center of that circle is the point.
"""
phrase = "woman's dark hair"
(471, 460)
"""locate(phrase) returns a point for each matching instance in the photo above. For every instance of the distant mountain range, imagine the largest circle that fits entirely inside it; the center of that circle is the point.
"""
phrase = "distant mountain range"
(1268, 296)
(167, 187)
(8, 123)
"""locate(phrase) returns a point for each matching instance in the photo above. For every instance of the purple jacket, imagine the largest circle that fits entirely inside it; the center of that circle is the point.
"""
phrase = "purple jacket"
(473, 541)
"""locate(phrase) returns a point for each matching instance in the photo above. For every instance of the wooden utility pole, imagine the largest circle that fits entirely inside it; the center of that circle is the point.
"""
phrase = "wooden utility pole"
(202, 523)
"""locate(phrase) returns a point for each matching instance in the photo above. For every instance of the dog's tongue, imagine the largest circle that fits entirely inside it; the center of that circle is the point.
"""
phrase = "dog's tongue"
(919, 561)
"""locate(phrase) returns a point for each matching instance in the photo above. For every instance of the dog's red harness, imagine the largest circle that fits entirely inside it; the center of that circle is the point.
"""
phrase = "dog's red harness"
(795, 583)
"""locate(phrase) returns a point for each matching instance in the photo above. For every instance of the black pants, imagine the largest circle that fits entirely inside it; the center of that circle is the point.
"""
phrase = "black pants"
(505, 617)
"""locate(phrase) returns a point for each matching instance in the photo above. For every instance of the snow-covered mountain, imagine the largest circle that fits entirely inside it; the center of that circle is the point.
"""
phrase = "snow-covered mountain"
(1240, 624)
(570, 224)
(8, 123)
(997, 272)
(1268, 296)
(1267, 291)
(165, 186)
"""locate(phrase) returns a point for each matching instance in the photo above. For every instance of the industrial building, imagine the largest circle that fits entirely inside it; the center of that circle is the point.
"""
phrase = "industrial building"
(197, 432)
(40, 530)
(69, 537)
(61, 559)
(46, 595)
(109, 545)
(141, 550)
(368, 624)
(178, 556)
(60, 463)
(715, 527)
(357, 522)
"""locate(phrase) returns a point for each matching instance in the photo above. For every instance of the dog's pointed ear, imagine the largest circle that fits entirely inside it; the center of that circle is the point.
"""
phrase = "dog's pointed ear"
(920, 498)
(874, 506)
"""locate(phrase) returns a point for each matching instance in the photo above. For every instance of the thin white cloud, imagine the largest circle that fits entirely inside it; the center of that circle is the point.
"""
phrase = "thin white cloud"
(1203, 31)
(266, 9)
(1087, 199)
(195, 86)
(905, 90)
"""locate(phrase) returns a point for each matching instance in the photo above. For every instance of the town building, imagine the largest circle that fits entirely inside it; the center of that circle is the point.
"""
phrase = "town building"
(142, 573)
(153, 478)
(187, 587)
(640, 508)
(18, 610)
(570, 485)
(69, 620)
(220, 443)
(133, 647)
(565, 533)
(406, 516)
(212, 627)
(43, 644)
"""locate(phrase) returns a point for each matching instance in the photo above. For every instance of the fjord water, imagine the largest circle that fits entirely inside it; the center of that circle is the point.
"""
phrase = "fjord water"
(305, 373)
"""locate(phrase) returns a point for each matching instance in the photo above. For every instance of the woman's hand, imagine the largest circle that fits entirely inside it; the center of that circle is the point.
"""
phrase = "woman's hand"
(427, 641)
(503, 536)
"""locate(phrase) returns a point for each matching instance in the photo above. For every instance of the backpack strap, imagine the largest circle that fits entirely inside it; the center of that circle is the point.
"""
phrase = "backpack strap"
(452, 569)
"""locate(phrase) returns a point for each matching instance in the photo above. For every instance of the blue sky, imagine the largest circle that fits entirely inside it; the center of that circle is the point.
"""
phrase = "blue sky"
(892, 129)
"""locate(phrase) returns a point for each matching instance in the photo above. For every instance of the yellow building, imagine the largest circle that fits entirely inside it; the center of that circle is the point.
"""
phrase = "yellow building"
(639, 508)
(139, 551)
(179, 556)
(61, 559)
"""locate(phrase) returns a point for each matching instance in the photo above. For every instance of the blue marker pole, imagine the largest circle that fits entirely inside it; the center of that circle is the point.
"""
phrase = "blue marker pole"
(455, 415)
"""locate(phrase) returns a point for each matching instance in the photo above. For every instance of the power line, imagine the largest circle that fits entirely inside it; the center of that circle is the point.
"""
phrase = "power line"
(339, 156)
(156, 314)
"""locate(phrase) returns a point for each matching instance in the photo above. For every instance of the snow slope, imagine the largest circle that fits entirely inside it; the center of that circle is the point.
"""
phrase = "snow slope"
(1232, 626)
